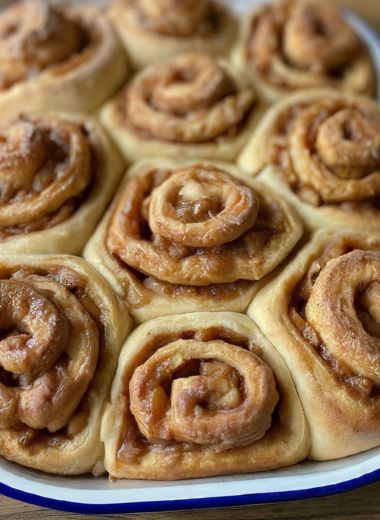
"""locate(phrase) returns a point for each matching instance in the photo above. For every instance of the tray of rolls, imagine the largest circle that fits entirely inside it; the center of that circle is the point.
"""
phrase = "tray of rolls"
(189, 253)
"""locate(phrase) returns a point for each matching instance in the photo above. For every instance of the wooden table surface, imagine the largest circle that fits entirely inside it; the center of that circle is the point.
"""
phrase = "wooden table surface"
(361, 504)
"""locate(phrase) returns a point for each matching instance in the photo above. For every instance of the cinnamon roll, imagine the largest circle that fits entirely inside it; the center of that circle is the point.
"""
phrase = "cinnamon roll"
(57, 58)
(61, 334)
(288, 45)
(322, 315)
(57, 174)
(153, 30)
(201, 394)
(191, 106)
(321, 150)
(183, 237)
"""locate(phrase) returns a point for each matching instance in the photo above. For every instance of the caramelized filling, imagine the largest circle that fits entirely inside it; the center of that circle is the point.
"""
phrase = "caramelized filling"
(341, 167)
(133, 444)
(159, 214)
(187, 99)
(35, 439)
(36, 37)
(296, 45)
(340, 370)
(183, 19)
(47, 171)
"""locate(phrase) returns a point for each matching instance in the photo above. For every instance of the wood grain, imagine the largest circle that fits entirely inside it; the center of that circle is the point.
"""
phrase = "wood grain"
(361, 504)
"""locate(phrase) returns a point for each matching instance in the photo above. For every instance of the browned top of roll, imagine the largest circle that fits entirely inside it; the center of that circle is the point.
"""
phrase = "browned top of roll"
(328, 150)
(46, 166)
(194, 226)
(187, 99)
(33, 37)
(49, 349)
(196, 389)
(335, 307)
(296, 44)
(179, 18)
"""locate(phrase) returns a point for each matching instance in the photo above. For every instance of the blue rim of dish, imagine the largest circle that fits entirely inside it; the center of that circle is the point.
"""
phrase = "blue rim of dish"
(192, 503)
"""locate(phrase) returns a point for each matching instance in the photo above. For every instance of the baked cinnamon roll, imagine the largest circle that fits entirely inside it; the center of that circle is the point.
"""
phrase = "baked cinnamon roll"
(288, 45)
(191, 106)
(61, 334)
(182, 237)
(201, 394)
(57, 175)
(322, 315)
(57, 58)
(321, 150)
(152, 30)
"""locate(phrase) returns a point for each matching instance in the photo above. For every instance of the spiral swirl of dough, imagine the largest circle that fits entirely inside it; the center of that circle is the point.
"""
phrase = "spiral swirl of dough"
(45, 165)
(172, 17)
(332, 311)
(334, 147)
(176, 212)
(48, 352)
(195, 226)
(228, 405)
(188, 99)
(34, 36)
(294, 45)
(325, 146)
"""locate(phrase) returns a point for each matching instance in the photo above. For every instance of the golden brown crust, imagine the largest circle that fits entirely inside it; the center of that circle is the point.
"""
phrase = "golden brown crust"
(191, 106)
(289, 45)
(57, 59)
(153, 30)
(320, 149)
(321, 316)
(153, 274)
(208, 360)
(58, 173)
(57, 391)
